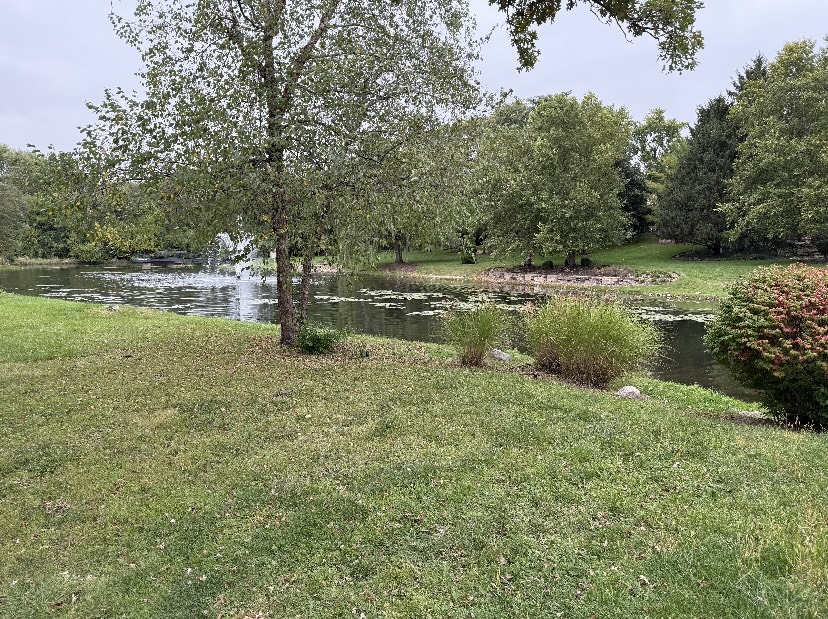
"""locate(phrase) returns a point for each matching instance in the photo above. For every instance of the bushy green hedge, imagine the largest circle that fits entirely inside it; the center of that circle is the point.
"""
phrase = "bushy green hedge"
(473, 333)
(772, 333)
(589, 342)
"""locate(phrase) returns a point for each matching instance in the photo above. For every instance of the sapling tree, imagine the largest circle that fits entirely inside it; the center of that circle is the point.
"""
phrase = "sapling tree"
(256, 113)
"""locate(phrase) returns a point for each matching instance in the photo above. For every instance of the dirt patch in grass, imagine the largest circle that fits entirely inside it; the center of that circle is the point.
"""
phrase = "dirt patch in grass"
(579, 276)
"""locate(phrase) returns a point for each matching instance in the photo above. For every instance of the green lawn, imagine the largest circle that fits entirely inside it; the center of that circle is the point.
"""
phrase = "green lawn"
(161, 466)
(697, 278)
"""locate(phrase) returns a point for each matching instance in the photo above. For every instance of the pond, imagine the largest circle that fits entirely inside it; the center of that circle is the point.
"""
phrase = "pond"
(374, 304)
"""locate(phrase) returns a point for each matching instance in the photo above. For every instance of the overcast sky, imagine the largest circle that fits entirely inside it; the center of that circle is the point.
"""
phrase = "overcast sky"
(57, 54)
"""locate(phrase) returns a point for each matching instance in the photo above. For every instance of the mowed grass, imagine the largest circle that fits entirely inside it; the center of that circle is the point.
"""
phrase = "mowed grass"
(697, 278)
(154, 465)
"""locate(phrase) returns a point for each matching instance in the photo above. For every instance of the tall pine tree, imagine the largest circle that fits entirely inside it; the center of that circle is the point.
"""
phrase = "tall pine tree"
(689, 206)
(634, 197)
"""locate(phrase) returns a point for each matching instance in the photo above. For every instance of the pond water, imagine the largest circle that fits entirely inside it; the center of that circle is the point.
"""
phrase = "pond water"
(374, 304)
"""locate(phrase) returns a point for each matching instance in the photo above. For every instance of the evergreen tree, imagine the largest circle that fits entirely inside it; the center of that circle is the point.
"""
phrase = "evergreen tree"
(692, 194)
(634, 197)
(756, 69)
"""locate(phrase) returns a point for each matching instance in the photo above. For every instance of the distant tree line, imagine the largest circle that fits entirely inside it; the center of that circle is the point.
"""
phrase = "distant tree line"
(526, 178)
(753, 174)
(51, 208)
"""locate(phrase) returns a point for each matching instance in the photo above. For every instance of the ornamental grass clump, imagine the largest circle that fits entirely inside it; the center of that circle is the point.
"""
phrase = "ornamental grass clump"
(772, 333)
(589, 342)
(473, 333)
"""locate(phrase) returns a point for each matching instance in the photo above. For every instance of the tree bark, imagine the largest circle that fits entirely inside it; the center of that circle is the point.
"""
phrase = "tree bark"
(281, 212)
(307, 271)
(398, 249)
(570, 260)
(284, 271)
(279, 100)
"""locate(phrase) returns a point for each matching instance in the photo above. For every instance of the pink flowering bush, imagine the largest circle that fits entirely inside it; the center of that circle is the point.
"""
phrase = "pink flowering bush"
(772, 333)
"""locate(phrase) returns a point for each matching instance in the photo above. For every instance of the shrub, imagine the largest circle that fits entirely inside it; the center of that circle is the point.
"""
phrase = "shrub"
(473, 333)
(316, 339)
(589, 342)
(468, 251)
(772, 333)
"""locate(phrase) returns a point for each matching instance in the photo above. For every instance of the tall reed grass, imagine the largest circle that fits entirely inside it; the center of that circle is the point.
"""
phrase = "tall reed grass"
(473, 333)
(589, 342)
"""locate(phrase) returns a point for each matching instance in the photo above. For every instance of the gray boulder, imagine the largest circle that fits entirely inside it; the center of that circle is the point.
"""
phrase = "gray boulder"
(500, 355)
(629, 392)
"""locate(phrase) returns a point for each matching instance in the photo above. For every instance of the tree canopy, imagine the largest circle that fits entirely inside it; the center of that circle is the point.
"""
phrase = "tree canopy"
(654, 138)
(552, 184)
(13, 202)
(670, 22)
(756, 69)
(779, 188)
(657, 145)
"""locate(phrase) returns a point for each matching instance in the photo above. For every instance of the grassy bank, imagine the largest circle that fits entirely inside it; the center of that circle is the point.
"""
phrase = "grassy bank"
(24, 261)
(155, 465)
(697, 278)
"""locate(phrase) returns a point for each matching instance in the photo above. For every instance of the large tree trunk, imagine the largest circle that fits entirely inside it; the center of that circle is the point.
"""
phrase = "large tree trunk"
(284, 272)
(398, 249)
(307, 271)
(570, 260)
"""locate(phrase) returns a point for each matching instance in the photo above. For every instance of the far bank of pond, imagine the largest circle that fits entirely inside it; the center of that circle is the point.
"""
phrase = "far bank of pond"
(373, 304)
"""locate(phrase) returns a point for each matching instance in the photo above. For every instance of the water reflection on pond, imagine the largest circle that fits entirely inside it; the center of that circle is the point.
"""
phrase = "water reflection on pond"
(372, 304)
